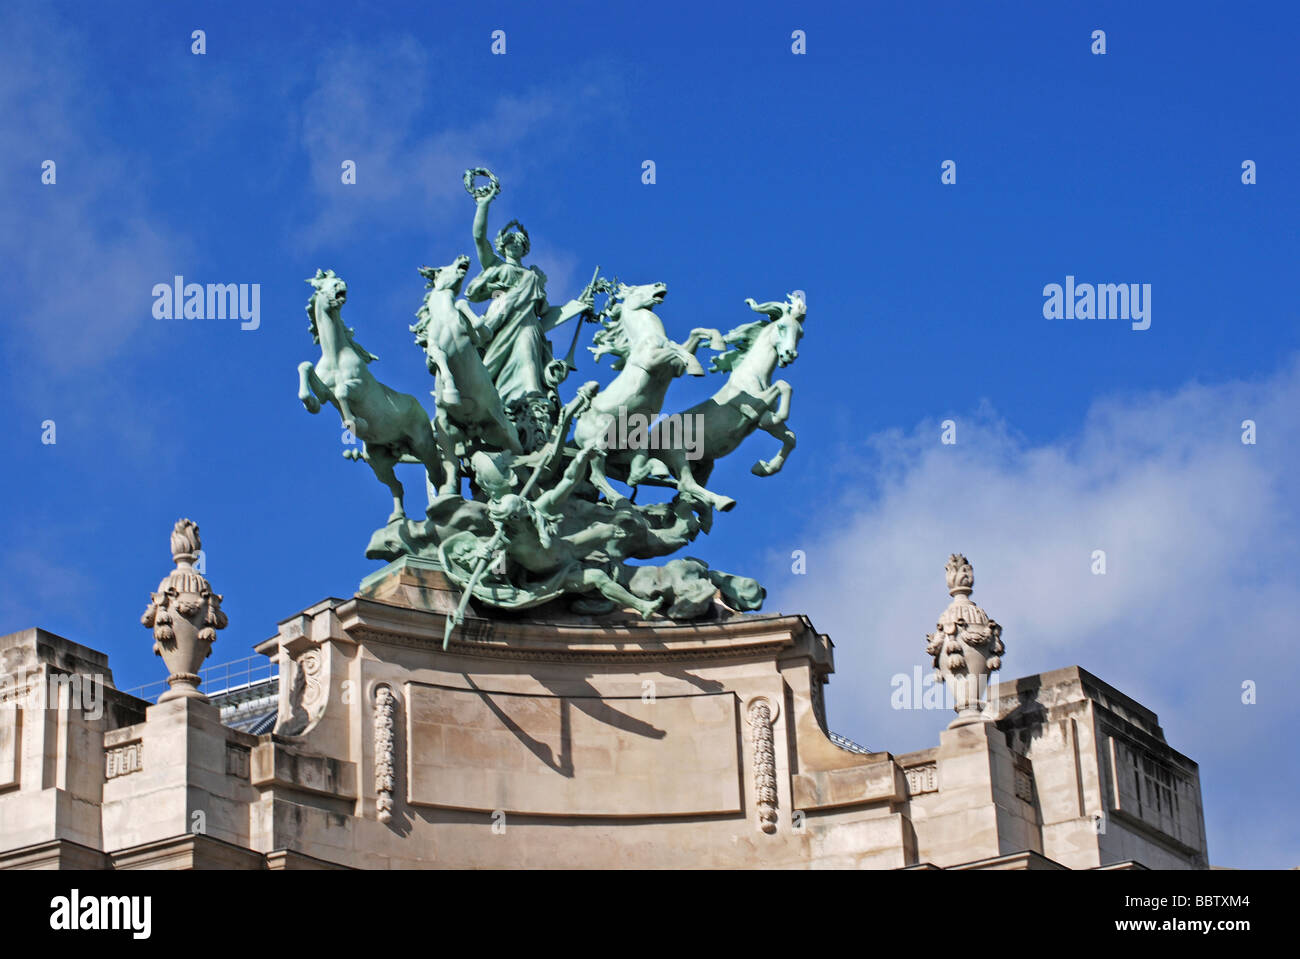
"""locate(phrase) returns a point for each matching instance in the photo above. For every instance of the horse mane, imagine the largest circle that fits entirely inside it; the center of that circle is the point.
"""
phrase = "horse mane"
(311, 320)
(422, 316)
(430, 273)
(612, 338)
(742, 339)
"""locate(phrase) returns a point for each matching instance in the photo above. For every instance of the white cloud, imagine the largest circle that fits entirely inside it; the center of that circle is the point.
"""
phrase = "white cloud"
(1200, 533)
(85, 251)
(384, 107)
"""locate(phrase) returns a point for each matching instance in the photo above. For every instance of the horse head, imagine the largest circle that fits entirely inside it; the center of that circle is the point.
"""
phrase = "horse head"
(330, 292)
(764, 342)
(643, 297)
(625, 330)
(786, 328)
(447, 277)
(330, 289)
(786, 332)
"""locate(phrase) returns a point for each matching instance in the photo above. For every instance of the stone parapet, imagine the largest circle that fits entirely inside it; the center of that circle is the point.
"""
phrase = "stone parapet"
(537, 744)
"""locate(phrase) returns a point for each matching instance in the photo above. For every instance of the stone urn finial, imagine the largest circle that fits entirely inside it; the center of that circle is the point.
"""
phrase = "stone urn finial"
(966, 646)
(184, 615)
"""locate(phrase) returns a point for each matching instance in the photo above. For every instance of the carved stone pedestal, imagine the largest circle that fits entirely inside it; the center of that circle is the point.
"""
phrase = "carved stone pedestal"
(532, 743)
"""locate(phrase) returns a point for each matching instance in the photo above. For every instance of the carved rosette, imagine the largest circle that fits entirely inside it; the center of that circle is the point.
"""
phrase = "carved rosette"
(966, 646)
(184, 615)
(760, 732)
(385, 769)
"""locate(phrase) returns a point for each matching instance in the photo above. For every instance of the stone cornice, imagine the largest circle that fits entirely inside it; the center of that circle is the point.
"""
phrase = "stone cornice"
(742, 636)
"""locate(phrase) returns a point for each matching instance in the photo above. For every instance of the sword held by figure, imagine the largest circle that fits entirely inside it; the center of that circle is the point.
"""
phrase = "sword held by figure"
(598, 284)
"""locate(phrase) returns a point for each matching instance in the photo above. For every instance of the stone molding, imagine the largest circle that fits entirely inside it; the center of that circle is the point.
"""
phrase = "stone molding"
(188, 851)
(762, 715)
(54, 854)
(385, 706)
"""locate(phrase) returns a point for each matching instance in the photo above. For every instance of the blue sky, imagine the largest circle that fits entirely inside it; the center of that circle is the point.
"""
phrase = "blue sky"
(774, 172)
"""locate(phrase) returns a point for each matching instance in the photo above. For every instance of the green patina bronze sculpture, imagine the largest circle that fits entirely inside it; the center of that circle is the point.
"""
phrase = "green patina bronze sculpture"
(389, 424)
(523, 510)
(647, 362)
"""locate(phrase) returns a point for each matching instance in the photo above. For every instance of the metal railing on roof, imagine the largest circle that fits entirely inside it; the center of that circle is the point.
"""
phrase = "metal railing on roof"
(223, 679)
(845, 743)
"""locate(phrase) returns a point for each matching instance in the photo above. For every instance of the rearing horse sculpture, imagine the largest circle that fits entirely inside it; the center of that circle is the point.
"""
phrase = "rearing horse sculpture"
(388, 423)
(749, 400)
(468, 406)
(647, 361)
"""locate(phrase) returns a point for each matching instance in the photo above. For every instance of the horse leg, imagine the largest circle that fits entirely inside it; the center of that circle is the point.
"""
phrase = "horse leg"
(351, 422)
(639, 468)
(446, 449)
(426, 450)
(600, 481)
(686, 482)
(499, 431)
(780, 389)
(700, 334)
(382, 461)
(310, 388)
(611, 589)
(448, 395)
(786, 436)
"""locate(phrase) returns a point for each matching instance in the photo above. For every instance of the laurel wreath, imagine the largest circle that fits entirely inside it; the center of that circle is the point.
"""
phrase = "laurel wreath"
(481, 191)
(505, 230)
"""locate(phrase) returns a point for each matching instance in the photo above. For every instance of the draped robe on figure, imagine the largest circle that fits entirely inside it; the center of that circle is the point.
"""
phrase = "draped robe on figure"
(517, 355)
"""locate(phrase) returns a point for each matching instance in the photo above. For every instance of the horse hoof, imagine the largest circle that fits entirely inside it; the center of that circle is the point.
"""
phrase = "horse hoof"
(311, 403)
(725, 503)
(762, 468)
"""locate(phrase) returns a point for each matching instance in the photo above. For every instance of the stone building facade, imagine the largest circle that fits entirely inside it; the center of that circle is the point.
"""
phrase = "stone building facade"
(553, 744)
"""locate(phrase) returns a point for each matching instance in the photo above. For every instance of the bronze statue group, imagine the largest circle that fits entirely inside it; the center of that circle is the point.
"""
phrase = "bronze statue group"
(523, 510)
